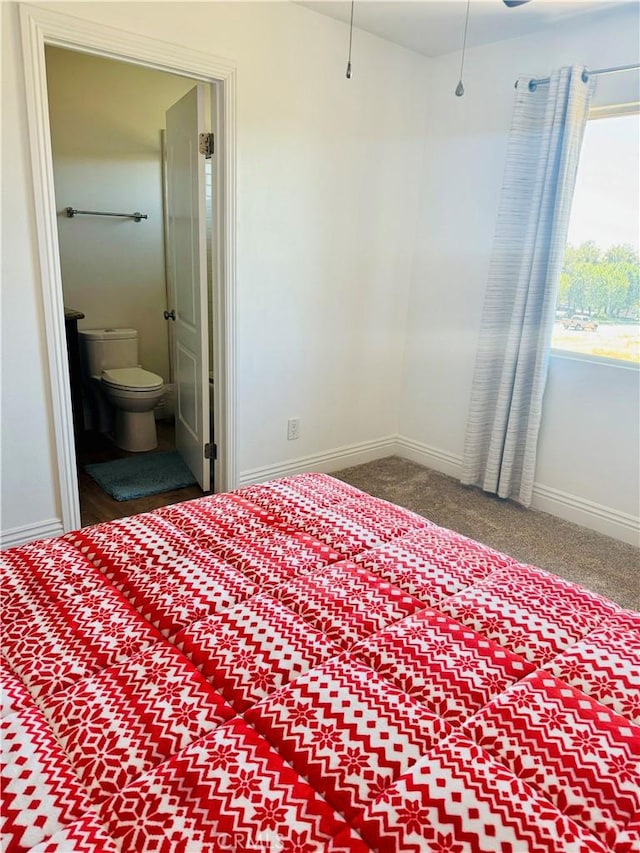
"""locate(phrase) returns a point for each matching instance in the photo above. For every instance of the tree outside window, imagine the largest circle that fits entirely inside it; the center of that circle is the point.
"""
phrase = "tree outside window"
(598, 306)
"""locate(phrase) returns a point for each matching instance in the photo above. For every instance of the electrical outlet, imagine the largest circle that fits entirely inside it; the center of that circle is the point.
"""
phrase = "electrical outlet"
(293, 429)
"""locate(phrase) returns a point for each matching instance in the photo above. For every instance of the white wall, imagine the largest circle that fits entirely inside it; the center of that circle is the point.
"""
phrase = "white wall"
(106, 118)
(328, 187)
(336, 220)
(589, 442)
(29, 479)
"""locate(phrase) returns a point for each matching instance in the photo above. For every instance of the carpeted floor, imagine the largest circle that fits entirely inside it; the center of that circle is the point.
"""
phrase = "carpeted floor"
(598, 562)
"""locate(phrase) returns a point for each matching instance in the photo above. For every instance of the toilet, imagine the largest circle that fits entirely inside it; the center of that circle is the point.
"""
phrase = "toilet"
(117, 384)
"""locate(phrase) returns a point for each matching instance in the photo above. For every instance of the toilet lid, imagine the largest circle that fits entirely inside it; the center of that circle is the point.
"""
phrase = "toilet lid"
(132, 379)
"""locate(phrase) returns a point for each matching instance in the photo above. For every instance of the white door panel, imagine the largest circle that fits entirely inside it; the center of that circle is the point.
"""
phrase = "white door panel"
(188, 285)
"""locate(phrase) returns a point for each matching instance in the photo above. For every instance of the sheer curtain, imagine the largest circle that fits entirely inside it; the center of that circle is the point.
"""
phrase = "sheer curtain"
(513, 350)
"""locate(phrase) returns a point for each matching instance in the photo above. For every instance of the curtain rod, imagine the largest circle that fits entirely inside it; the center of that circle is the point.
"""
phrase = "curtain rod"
(533, 84)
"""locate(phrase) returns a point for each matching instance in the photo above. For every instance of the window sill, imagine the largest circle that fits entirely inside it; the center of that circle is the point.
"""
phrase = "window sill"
(595, 359)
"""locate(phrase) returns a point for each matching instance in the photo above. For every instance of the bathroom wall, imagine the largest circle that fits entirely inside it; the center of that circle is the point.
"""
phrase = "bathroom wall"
(106, 121)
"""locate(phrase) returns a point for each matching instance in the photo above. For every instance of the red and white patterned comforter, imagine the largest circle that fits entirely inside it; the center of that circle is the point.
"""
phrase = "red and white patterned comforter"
(300, 667)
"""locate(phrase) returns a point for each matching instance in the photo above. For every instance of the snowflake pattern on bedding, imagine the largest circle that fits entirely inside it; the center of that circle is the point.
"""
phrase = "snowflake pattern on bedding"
(300, 667)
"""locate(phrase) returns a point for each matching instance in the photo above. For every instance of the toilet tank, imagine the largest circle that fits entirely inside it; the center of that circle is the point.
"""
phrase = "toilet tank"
(102, 349)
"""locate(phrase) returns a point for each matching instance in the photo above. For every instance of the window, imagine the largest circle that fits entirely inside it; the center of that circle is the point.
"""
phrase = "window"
(598, 307)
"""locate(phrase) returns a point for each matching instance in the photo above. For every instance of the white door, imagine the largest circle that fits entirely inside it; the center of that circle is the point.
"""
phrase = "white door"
(187, 272)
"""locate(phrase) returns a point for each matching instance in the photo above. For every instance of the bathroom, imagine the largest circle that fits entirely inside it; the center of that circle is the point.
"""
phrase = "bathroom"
(107, 119)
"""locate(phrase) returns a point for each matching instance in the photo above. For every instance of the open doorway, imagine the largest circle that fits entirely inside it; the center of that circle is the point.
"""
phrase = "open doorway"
(108, 139)
(42, 27)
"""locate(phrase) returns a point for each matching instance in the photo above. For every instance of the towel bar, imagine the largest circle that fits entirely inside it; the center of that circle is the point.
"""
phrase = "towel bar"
(71, 212)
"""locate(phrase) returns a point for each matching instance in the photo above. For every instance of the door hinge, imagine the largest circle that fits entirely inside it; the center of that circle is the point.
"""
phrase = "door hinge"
(210, 450)
(206, 144)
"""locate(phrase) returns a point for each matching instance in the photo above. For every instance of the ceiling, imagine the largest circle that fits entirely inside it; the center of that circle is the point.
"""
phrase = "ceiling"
(435, 27)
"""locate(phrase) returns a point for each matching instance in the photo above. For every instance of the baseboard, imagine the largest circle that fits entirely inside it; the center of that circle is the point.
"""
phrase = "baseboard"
(430, 457)
(594, 516)
(602, 519)
(30, 532)
(331, 460)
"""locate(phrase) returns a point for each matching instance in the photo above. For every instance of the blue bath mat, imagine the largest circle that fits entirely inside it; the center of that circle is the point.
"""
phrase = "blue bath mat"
(139, 476)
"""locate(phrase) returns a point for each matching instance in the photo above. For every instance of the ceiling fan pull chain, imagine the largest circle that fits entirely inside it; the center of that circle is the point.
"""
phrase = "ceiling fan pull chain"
(348, 74)
(460, 86)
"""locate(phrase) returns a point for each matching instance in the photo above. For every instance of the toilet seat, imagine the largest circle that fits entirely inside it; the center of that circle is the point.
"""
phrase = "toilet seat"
(132, 379)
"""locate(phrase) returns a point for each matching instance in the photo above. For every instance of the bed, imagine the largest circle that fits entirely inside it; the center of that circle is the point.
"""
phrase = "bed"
(297, 666)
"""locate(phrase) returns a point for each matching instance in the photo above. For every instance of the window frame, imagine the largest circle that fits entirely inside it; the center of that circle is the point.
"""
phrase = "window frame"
(596, 113)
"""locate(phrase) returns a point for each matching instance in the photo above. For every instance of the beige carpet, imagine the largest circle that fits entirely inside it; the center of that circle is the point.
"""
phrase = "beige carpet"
(598, 562)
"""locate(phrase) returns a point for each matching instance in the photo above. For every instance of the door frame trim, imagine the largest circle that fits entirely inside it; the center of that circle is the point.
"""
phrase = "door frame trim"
(40, 27)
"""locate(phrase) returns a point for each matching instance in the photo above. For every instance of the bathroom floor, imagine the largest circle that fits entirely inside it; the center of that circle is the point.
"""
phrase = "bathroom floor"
(96, 505)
